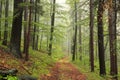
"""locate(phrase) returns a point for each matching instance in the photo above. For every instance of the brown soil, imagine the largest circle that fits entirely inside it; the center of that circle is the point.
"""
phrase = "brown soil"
(64, 70)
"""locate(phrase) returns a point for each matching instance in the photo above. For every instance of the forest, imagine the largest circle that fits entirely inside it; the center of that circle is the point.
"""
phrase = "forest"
(59, 40)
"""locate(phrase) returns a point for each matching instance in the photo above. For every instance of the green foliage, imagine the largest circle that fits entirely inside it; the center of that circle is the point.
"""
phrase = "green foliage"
(41, 63)
(57, 56)
(84, 68)
(57, 52)
(9, 77)
(25, 4)
(1, 77)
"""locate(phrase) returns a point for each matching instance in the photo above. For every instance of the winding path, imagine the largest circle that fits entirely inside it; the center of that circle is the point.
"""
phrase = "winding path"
(64, 70)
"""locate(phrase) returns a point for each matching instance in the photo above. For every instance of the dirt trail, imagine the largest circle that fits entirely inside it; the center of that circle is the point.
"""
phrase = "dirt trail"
(64, 70)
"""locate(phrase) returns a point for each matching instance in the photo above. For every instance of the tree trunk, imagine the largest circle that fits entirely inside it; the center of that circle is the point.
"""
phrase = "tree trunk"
(15, 40)
(25, 26)
(91, 42)
(112, 16)
(47, 45)
(0, 20)
(52, 27)
(101, 38)
(41, 39)
(28, 33)
(80, 37)
(35, 28)
(37, 36)
(80, 42)
(6, 23)
(75, 35)
(36, 42)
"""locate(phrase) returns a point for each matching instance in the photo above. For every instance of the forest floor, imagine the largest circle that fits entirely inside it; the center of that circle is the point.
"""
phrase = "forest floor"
(61, 70)
(64, 70)
(37, 65)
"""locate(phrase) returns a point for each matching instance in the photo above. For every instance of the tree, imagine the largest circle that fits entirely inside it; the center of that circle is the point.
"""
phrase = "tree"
(0, 20)
(52, 27)
(91, 35)
(35, 28)
(6, 23)
(101, 37)
(80, 39)
(112, 16)
(37, 13)
(25, 25)
(41, 39)
(28, 32)
(15, 40)
(75, 34)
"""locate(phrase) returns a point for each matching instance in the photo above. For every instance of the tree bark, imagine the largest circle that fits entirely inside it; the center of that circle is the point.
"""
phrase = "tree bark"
(25, 26)
(35, 28)
(28, 33)
(80, 42)
(91, 42)
(36, 42)
(15, 40)
(75, 35)
(41, 39)
(112, 16)
(101, 38)
(52, 28)
(0, 20)
(6, 23)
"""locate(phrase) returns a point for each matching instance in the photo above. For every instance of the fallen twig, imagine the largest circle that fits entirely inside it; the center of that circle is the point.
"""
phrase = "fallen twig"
(25, 68)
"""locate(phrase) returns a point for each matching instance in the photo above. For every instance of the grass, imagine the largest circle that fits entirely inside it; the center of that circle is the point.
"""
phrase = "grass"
(39, 62)
(83, 66)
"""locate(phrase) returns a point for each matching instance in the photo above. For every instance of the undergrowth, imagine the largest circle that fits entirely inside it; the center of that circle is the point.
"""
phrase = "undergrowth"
(84, 67)
(39, 63)
(42, 63)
